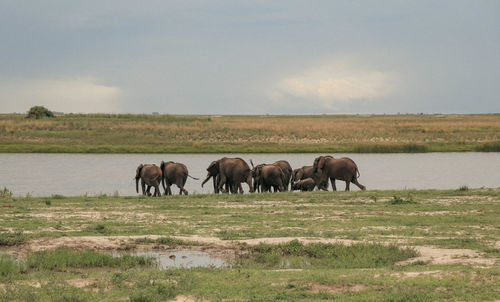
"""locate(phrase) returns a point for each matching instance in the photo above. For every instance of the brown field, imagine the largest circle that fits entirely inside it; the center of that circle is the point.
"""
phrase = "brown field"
(196, 133)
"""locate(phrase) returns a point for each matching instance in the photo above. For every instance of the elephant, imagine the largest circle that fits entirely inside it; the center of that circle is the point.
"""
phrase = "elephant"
(342, 169)
(267, 176)
(230, 172)
(306, 172)
(307, 184)
(174, 173)
(150, 175)
(287, 170)
(214, 173)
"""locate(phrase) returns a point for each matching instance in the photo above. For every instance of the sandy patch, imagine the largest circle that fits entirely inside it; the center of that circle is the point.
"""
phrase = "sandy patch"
(117, 242)
(418, 274)
(449, 256)
(182, 298)
(83, 242)
(337, 288)
(281, 240)
(83, 282)
(88, 283)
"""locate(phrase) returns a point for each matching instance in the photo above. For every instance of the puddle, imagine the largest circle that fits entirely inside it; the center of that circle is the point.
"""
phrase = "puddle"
(182, 259)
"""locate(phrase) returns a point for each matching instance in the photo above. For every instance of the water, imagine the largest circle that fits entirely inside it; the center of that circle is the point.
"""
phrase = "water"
(78, 174)
(164, 259)
(183, 259)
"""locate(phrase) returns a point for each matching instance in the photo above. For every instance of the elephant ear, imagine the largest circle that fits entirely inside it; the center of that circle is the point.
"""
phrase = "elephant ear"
(138, 171)
(320, 164)
(214, 167)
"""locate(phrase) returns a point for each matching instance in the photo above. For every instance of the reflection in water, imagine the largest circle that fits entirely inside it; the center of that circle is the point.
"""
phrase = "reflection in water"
(79, 174)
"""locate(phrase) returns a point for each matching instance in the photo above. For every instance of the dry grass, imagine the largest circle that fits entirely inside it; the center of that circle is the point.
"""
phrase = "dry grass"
(347, 133)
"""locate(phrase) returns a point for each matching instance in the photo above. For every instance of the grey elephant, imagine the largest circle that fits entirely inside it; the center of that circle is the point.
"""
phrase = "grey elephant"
(150, 175)
(231, 172)
(174, 173)
(267, 176)
(287, 170)
(214, 174)
(342, 169)
(307, 184)
(306, 172)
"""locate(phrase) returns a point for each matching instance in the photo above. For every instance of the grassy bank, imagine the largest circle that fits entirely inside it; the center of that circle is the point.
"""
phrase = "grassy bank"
(104, 133)
(425, 245)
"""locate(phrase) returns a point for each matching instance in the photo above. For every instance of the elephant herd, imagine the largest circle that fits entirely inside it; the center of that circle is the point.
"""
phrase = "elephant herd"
(229, 173)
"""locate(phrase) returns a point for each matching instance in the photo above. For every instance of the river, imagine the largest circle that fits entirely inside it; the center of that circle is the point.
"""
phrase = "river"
(93, 174)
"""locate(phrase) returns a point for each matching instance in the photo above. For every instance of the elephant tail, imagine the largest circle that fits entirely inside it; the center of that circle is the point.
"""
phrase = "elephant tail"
(162, 168)
(252, 164)
(355, 177)
(137, 177)
(192, 177)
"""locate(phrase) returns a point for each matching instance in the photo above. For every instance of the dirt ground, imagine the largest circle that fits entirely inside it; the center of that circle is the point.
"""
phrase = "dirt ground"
(430, 254)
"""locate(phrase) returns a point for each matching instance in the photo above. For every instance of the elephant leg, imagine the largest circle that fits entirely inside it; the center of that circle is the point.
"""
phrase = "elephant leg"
(249, 183)
(355, 181)
(222, 183)
(166, 186)
(182, 190)
(240, 188)
(143, 187)
(334, 187)
(347, 183)
(216, 182)
(157, 190)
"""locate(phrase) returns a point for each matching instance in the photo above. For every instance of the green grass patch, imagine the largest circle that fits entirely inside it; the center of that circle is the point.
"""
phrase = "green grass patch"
(295, 254)
(63, 258)
(399, 200)
(8, 267)
(171, 242)
(10, 239)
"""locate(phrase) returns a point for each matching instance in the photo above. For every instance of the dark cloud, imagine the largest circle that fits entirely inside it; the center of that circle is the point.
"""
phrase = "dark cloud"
(234, 57)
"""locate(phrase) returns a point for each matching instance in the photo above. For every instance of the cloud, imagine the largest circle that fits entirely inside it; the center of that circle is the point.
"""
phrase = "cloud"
(333, 85)
(78, 95)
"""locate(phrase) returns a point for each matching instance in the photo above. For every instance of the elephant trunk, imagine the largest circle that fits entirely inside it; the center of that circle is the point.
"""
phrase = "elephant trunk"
(206, 179)
(137, 184)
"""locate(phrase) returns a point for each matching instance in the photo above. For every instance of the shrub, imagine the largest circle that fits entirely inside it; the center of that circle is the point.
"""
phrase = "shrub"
(9, 239)
(38, 112)
(399, 200)
(6, 193)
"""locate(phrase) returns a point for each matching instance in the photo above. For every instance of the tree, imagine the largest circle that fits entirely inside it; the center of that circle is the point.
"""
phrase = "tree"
(39, 112)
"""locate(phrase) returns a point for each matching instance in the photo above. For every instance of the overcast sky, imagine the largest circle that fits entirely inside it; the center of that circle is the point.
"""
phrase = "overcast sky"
(250, 57)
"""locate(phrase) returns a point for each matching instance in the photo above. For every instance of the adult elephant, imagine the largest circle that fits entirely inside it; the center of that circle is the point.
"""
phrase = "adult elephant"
(174, 173)
(308, 172)
(214, 174)
(150, 175)
(287, 170)
(230, 172)
(342, 169)
(267, 176)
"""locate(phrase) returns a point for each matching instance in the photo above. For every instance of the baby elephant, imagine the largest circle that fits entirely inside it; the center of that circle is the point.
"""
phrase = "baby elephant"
(307, 184)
